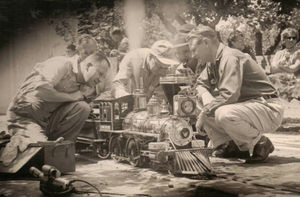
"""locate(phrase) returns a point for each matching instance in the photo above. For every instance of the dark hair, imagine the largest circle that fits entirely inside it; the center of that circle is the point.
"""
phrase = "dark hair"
(286, 32)
(233, 36)
(84, 37)
(71, 47)
(115, 30)
(201, 32)
(99, 55)
(289, 31)
(185, 28)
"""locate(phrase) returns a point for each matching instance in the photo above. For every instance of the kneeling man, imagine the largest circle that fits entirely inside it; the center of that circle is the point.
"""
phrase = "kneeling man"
(239, 102)
(49, 103)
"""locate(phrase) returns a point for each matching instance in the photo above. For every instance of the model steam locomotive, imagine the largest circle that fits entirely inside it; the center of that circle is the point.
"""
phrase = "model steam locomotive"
(128, 129)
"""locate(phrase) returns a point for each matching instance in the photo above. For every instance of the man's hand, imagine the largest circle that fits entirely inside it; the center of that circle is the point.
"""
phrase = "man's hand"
(77, 96)
(207, 98)
(200, 122)
(114, 53)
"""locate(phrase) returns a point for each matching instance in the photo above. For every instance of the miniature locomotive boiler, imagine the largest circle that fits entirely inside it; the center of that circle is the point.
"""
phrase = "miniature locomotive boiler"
(151, 136)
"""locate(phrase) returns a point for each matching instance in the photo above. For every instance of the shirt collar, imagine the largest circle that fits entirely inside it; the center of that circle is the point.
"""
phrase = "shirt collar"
(220, 51)
(79, 75)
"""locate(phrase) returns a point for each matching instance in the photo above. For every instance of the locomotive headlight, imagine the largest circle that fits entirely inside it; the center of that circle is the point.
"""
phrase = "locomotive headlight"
(185, 133)
(178, 131)
(188, 106)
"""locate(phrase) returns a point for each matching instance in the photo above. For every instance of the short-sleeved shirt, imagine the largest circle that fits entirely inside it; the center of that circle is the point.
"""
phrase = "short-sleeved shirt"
(286, 58)
(132, 69)
(235, 77)
(57, 73)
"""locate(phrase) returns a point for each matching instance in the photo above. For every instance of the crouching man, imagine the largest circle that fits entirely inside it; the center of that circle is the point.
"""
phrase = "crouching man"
(143, 67)
(49, 103)
(239, 102)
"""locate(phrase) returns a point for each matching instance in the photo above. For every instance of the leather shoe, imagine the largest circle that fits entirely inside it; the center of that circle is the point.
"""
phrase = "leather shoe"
(261, 150)
(234, 152)
(230, 150)
(220, 151)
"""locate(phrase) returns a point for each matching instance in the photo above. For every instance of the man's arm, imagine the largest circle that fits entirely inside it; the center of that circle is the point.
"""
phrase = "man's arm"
(292, 67)
(122, 79)
(275, 68)
(230, 83)
(48, 93)
(46, 90)
(204, 88)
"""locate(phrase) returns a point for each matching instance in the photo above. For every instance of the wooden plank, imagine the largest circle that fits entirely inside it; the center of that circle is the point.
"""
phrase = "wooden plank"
(132, 132)
(20, 161)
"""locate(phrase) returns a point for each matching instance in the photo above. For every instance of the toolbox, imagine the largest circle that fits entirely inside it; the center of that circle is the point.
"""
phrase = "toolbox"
(59, 153)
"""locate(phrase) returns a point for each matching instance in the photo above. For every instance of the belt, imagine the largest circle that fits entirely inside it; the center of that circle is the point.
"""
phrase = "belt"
(270, 96)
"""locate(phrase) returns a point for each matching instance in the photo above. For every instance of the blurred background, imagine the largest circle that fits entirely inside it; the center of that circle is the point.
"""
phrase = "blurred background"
(34, 30)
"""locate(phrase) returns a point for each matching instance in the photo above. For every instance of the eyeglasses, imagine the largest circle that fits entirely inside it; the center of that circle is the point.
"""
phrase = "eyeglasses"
(291, 38)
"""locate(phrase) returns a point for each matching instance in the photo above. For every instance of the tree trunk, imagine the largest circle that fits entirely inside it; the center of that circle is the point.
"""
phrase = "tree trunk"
(272, 48)
(167, 24)
(258, 43)
(179, 19)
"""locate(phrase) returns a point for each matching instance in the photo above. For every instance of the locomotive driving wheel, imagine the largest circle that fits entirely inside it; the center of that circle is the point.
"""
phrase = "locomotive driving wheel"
(115, 148)
(102, 150)
(102, 145)
(133, 153)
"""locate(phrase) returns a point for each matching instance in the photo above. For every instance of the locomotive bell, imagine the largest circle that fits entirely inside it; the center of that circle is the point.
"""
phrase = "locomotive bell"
(153, 106)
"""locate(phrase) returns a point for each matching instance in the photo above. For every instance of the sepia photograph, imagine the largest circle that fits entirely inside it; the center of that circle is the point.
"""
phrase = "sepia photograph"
(149, 98)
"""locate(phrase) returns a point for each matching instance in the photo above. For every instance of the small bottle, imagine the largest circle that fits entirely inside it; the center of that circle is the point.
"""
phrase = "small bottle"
(108, 111)
(104, 117)
(101, 108)
(143, 99)
(116, 111)
(140, 97)
(164, 108)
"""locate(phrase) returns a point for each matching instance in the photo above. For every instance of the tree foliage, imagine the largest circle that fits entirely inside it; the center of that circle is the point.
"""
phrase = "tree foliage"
(162, 17)
(263, 18)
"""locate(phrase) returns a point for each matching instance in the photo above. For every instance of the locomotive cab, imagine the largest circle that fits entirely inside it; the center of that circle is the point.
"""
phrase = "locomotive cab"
(107, 115)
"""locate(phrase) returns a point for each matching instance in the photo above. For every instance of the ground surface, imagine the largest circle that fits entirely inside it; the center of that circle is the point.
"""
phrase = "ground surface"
(278, 176)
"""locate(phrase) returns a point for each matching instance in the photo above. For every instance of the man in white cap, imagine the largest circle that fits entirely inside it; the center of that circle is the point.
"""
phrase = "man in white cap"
(143, 64)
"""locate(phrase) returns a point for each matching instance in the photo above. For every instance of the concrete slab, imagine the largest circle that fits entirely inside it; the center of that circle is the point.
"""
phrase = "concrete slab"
(278, 176)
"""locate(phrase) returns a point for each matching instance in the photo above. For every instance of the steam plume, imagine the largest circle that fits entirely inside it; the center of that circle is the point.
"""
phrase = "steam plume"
(134, 12)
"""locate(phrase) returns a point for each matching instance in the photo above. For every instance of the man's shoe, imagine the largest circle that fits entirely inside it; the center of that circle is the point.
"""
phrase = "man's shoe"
(220, 151)
(261, 150)
(233, 151)
(230, 150)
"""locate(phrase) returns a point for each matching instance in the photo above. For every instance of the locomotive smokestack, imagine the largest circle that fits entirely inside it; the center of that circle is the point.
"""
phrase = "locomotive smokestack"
(134, 13)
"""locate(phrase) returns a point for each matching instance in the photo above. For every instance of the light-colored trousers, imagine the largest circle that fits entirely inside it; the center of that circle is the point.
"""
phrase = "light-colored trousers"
(66, 121)
(244, 122)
